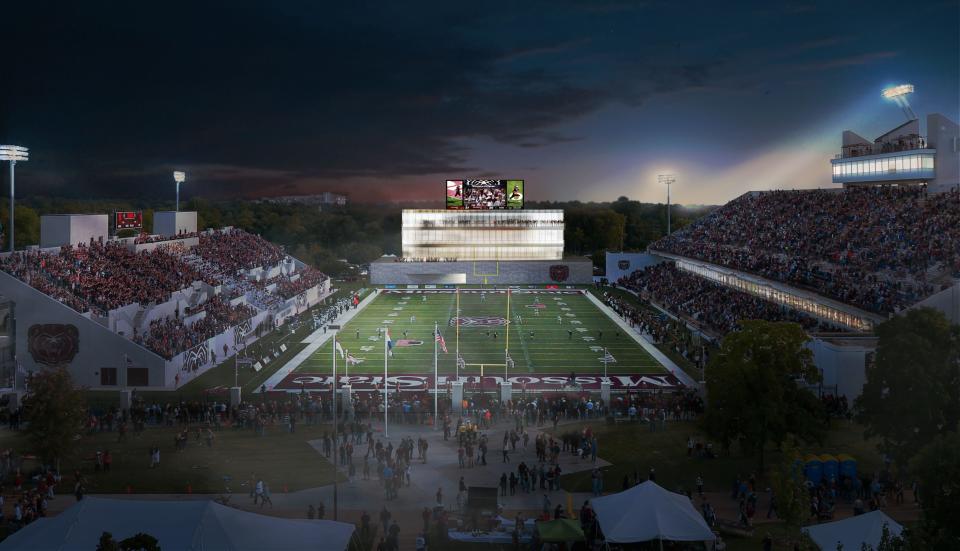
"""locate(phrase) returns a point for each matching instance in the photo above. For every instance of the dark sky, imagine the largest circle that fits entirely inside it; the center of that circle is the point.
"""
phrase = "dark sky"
(585, 100)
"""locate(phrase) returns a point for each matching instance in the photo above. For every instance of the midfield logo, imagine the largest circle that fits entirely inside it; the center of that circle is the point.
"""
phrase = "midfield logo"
(482, 321)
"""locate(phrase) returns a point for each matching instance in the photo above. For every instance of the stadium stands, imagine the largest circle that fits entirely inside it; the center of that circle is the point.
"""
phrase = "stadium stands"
(100, 278)
(716, 308)
(878, 248)
(170, 336)
(238, 250)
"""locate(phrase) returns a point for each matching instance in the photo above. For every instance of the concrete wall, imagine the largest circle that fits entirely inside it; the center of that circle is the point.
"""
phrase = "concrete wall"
(170, 222)
(944, 135)
(843, 366)
(98, 346)
(580, 271)
(72, 229)
(947, 301)
(630, 262)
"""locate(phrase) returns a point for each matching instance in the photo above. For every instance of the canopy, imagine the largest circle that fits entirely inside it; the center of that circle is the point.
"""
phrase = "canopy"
(559, 531)
(187, 525)
(853, 532)
(648, 512)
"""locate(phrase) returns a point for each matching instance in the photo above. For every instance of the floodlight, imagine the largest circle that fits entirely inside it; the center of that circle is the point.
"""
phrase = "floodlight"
(667, 179)
(897, 91)
(179, 177)
(13, 153)
(898, 94)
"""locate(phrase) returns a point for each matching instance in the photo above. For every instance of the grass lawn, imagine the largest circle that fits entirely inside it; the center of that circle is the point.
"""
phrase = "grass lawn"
(539, 342)
(630, 447)
(281, 459)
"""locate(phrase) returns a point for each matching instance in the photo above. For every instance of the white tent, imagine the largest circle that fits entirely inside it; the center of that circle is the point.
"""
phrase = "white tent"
(648, 512)
(853, 532)
(177, 525)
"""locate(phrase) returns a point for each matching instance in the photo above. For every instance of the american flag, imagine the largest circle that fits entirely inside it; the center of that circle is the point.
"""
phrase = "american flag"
(443, 343)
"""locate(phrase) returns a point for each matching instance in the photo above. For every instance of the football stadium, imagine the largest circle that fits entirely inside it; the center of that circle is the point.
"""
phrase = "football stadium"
(426, 294)
(542, 339)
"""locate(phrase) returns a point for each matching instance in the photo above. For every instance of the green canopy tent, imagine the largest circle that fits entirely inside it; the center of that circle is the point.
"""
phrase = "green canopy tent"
(559, 531)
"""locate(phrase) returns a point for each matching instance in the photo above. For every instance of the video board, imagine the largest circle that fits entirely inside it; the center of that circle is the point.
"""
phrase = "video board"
(484, 194)
(127, 220)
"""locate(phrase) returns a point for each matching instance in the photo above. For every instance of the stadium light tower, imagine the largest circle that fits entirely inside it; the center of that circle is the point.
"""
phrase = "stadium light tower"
(898, 94)
(667, 179)
(179, 178)
(13, 153)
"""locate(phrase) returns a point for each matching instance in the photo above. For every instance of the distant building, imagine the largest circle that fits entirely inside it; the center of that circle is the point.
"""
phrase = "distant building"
(902, 156)
(482, 247)
(327, 198)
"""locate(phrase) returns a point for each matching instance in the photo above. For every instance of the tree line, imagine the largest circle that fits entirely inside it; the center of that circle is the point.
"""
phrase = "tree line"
(360, 233)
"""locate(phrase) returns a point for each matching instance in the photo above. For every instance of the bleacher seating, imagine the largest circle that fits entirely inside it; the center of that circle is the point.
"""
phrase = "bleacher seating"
(878, 248)
(99, 278)
(717, 308)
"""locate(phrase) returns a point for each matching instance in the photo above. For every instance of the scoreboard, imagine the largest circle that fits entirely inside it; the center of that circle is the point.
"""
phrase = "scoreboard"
(128, 220)
(484, 194)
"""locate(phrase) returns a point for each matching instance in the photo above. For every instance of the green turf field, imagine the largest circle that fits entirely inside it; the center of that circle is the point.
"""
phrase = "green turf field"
(538, 341)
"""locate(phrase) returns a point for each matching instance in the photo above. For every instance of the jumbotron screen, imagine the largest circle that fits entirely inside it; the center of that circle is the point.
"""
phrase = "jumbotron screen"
(128, 220)
(484, 194)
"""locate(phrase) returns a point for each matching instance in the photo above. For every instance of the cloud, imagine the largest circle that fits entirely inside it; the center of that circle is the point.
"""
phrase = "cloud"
(846, 61)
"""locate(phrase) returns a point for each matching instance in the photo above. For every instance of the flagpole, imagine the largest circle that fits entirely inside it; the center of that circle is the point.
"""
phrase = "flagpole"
(506, 349)
(336, 438)
(436, 392)
(458, 334)
(386, 433)
(605, 361)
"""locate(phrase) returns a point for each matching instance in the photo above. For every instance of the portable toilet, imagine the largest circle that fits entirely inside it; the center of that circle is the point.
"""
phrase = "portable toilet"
(848, 466)
(813, 468)
(831, 467)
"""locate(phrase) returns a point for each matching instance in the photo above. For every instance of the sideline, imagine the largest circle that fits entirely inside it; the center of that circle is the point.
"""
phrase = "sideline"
(642, 341)
(316, 339)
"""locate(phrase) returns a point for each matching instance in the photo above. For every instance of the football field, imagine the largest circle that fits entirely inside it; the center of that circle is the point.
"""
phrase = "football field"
(555, 332)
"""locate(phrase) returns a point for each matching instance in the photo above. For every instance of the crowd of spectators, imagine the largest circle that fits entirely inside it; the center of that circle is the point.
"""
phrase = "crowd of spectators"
(879, 248)
(288, 288)
(662, 329)
(717, 308)
(170, 336)
(235, 250)
(102, 277)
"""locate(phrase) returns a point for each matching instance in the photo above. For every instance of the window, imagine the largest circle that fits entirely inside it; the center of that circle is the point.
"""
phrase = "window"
(108, 376)
(138, 376)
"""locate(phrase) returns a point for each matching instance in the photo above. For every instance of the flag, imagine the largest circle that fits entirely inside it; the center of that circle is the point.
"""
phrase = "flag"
(351, 360)
(389, 341)
(443, 343)
(607, 357)
(339, 349)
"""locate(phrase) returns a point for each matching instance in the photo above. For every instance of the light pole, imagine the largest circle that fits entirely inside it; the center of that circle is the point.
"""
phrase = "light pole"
(13, 153)
(179, 178)
(667, 179)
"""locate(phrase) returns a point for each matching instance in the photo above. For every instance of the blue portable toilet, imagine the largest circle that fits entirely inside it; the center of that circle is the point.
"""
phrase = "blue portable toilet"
(831, 467)
(848, 466)
(813, 469)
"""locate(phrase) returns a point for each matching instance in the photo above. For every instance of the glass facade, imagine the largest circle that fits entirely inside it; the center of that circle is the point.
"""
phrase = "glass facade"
(444, 235)
(779, 296)
(887, 167)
